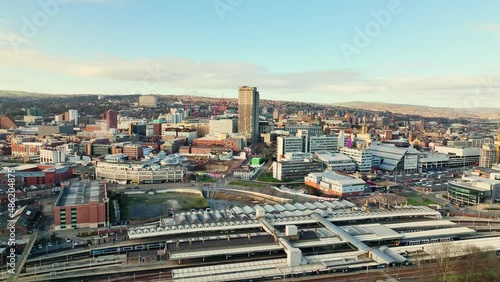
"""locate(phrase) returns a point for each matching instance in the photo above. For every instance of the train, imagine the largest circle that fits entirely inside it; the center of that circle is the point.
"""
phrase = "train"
(125, 249)
(426, 241)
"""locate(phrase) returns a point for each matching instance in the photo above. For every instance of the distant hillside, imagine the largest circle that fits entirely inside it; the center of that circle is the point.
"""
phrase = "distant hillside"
(12, 93)
(425, 111)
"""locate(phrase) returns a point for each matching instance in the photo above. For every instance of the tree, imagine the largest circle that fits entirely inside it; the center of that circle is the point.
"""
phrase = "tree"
(478, 264)
(444, 256)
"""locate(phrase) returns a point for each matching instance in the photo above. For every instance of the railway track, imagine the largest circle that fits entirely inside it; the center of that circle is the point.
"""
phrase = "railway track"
(162, 276)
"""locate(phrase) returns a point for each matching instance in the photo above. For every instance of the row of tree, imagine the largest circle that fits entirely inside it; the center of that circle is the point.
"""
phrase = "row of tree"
(447, 262)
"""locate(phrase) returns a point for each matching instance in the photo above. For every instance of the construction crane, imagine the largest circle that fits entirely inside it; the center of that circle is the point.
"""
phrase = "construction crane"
(195, 111)
(217, 106)
(364, 129)
(497, 155)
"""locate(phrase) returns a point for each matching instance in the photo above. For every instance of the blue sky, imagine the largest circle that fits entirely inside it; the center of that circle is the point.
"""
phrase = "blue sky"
(437, 53)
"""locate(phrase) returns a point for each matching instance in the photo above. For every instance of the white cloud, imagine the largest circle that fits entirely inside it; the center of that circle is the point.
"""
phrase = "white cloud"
(485, 26)
(153, 74)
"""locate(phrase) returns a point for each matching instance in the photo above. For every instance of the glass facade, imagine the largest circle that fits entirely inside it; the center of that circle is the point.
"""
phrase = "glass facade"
(461, 194)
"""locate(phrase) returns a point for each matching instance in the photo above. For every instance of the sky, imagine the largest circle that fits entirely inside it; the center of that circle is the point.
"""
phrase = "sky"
(435, 53)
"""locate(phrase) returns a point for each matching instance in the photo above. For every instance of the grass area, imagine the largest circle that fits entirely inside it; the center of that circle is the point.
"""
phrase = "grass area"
(122, 202)
(417, 200)
(185, 200)
(208, 180)
(148, 206)
(268, 177)
(246, 184)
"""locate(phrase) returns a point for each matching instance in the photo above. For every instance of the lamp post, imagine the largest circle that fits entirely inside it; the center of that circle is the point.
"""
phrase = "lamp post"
(159, 276)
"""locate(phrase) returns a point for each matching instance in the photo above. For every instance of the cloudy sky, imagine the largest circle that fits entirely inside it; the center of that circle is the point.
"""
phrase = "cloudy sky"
(436, 53)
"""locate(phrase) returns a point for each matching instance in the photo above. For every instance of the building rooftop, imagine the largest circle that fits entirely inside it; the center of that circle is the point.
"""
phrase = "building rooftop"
(332, 157)
(80, 193)
(481, 179)
(337, 177)
(468, 185)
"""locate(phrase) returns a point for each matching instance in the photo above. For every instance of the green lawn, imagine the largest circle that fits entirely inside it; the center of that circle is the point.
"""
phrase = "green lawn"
(416, 200)
(207, 180)
(268, 177)
(246, 184)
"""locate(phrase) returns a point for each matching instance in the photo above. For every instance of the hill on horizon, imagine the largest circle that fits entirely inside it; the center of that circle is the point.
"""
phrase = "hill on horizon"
(425, 111)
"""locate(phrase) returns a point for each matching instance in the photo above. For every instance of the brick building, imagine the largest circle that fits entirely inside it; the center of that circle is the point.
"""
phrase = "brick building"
(133, 151)
(234, 144)
(36, 174)
(25, 146)
(111, 117)
(7, 123)
(24, 220)
(82, 205)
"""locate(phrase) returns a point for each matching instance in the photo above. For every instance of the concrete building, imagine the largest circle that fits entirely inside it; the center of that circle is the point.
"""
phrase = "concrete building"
(297, 156)
(295, 170)
(52, 156)
(471, 143)
(335, 161)
(288, 145)
(460, 157)
(172, 145)
(487, 155)
(272, 137)
(227, 126)
(313, 130)
(276, 114)
(138, 173)
(362, 158)
(474, 190)
(322, 144)
(169, 132)
(395, 159)
(73, 117)
(433, 161)
(248, 113)
(148, 101)
(31, 120)
(82, 205)
(34, 112)
(47, 130)
(331, 183)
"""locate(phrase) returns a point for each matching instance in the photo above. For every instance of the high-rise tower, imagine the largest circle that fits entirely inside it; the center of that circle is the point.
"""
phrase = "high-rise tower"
(111, 117)
(248, 113)
(487, 155)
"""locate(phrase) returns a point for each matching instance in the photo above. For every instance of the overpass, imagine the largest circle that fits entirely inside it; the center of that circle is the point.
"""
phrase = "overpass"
(23, 257)
(376, 254)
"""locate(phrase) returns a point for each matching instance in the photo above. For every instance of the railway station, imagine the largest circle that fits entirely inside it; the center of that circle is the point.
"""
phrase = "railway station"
(262, 242)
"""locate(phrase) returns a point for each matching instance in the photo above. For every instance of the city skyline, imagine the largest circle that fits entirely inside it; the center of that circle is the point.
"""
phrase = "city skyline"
(334, 52)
